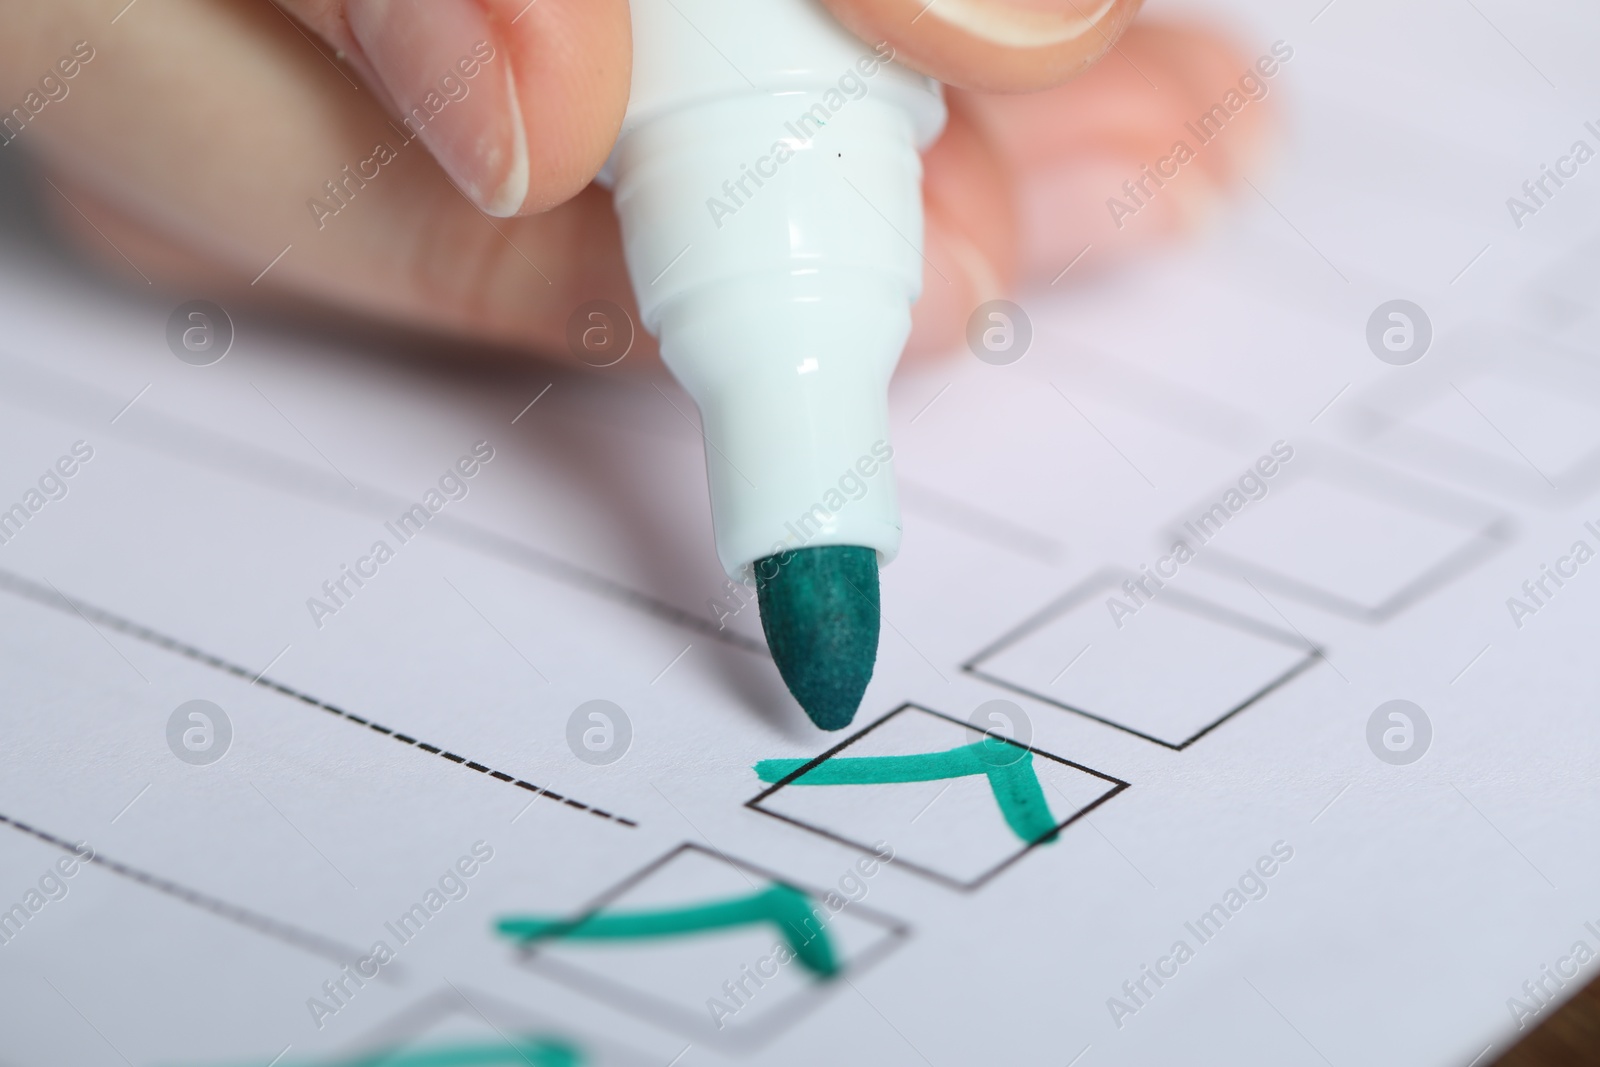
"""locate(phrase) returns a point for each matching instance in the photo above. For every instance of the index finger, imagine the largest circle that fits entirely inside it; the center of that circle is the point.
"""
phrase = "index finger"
(992, 45)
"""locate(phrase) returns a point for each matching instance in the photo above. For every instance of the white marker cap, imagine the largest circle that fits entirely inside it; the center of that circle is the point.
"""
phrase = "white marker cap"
(773, 234)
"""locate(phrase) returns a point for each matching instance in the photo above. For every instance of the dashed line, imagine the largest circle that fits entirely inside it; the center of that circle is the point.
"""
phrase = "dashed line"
(18, 586)
(282, 931)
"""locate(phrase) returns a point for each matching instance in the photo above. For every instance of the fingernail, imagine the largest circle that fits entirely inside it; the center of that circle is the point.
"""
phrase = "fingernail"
(452, 83)
(1024, 23)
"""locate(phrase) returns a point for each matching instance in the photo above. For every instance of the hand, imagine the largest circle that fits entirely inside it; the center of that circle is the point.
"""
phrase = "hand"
(201, 137)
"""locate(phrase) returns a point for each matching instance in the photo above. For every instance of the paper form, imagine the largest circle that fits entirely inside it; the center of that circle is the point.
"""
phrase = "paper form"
(1201, 838)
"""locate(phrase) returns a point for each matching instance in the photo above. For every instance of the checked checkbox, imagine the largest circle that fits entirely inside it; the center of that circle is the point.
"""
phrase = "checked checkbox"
(955, 806)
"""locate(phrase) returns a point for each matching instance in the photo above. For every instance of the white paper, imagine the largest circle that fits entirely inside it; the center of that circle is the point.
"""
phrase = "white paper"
(1209, 731)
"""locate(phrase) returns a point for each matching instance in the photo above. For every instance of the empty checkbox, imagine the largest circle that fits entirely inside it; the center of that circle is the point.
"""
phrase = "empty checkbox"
(1345, 536)
(1505, 414)
(1170, 672)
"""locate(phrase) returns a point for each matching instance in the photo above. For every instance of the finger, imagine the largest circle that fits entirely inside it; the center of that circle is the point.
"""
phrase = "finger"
(443, 269)
(1073, 152)
(1016, 183)
(519, 101)
(418, 256)
(268, 162)
(992, 45)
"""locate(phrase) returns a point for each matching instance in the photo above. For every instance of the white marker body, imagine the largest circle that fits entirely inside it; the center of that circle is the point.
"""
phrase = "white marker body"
(768, 184)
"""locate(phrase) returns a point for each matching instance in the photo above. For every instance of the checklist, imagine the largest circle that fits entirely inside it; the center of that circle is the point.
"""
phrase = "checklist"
(525, 788)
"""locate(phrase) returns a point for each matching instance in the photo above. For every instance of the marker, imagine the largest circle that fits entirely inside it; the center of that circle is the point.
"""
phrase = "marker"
(768, 185)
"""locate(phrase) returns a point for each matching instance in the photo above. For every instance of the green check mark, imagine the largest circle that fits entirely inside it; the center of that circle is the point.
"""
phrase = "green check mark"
(783, 906)
(509, 1052)
(1009, 769)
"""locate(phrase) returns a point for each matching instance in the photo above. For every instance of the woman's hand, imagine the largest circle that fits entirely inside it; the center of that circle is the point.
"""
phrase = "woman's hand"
(204, 141)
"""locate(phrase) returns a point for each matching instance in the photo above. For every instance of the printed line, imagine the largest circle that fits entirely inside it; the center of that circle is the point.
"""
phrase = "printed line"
(280, 931)
(28, 590)
(233, 458)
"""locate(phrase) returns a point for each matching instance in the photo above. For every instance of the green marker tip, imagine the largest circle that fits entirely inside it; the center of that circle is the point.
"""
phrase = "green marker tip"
(819, 610)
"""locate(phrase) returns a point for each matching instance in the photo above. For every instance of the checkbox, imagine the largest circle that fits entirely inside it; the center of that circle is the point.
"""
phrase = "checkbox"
(1506, 414)
(953, 807)
(1170, 673)
(722, 951)
(1346, 536)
